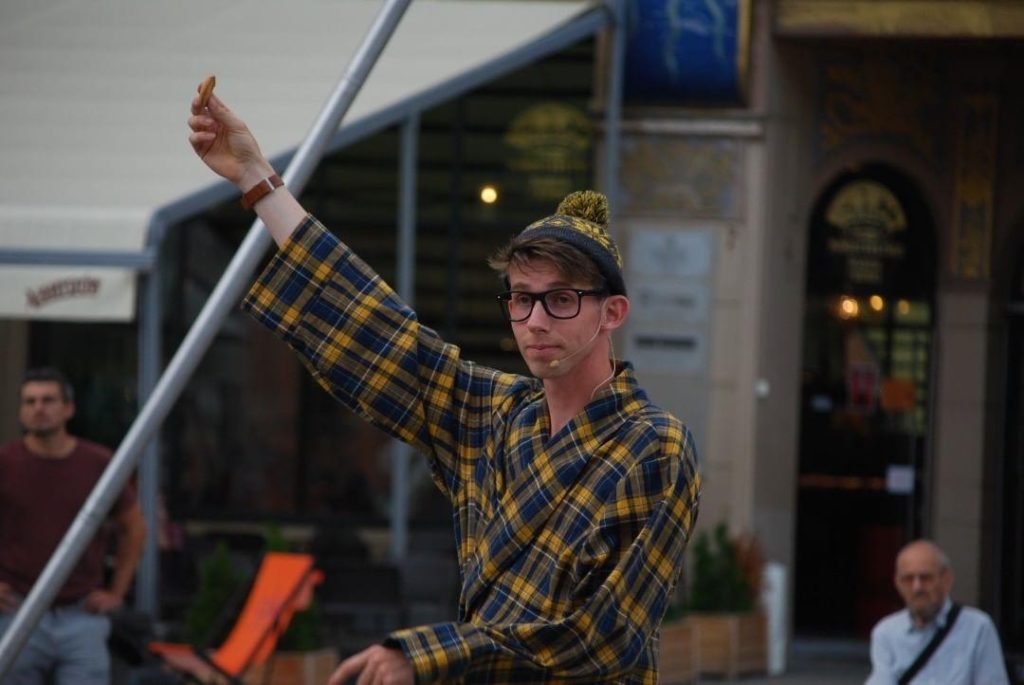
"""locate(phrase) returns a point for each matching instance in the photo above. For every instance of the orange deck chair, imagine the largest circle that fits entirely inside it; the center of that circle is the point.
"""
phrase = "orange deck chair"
(284, 584)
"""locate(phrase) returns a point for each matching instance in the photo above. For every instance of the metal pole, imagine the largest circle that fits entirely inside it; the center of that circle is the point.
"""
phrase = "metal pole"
(222, 300)
(405, 284)
(613, 105)
(147, 581)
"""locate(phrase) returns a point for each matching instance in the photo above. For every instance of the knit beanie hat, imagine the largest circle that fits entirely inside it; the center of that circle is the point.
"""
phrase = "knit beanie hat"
(582, 221)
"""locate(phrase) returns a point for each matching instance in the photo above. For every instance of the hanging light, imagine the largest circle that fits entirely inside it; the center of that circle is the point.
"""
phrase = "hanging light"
(488, 195)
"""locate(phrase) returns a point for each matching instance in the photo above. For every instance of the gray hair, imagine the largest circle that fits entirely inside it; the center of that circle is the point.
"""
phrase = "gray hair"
(941, 557)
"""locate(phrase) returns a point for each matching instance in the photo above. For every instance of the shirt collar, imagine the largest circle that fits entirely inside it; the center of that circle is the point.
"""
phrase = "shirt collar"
(938, 622)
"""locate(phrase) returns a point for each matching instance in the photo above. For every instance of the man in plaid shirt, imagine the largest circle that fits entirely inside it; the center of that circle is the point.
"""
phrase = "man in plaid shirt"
(573, 495)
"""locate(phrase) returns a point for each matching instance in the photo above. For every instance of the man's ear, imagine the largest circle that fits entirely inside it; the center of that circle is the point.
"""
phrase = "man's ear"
(616, 309)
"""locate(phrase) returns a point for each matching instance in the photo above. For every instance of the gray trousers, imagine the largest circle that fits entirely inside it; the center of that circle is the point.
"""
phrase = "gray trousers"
(68, 647)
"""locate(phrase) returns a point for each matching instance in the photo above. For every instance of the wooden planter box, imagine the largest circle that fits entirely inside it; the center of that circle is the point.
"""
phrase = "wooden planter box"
(677, 660)
(295, 668)
(729, 645)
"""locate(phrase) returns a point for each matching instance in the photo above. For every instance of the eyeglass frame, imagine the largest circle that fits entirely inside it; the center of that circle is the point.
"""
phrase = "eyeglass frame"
(506, 297)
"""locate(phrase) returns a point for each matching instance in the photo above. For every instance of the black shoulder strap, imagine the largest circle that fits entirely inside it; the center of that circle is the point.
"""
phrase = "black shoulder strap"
(930, 648)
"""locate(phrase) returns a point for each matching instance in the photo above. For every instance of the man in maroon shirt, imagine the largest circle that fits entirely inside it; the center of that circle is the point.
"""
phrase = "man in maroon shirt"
(44, 479)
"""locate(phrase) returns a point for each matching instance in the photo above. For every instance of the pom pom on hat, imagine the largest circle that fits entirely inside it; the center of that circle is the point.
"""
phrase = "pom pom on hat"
(586, 204)
(581, 220)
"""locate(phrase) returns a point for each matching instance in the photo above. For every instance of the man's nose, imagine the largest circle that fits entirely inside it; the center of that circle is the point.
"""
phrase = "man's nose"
(538, 317)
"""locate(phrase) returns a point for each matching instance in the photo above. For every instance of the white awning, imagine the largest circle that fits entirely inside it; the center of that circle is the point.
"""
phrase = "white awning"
(94, 96)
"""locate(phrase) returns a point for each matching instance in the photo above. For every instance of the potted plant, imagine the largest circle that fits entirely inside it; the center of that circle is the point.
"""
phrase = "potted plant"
(730, 628)
(677, 658)
(219, 586)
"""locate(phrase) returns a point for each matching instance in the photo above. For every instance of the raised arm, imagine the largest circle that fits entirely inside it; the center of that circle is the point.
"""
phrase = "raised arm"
(225, 144)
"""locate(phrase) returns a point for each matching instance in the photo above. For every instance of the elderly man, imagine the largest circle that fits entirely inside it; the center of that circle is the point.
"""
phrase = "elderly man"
(933, 640)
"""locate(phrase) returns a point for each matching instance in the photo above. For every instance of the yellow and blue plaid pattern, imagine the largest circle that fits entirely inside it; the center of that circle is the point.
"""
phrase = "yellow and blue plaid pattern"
(569, 545)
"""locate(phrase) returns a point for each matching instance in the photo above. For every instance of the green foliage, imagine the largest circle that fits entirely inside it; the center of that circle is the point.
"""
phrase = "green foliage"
(274, 540)
(219, 581)
(719, 582)
(674, 612)
(306, 631)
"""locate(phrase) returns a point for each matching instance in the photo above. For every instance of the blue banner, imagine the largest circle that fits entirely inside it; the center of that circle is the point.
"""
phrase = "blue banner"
(687, 51)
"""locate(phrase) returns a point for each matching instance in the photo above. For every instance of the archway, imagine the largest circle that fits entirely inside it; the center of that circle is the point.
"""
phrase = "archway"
(866, 390)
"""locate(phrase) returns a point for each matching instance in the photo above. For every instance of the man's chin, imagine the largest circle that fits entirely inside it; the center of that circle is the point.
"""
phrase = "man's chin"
(42, 433)
(544, 369)
(925, 614)
(540, 371)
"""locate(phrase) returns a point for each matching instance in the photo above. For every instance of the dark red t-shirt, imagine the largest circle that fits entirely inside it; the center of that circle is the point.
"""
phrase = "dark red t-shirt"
(39, 499)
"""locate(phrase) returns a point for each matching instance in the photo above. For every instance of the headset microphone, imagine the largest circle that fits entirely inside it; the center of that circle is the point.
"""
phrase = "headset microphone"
(555, 363)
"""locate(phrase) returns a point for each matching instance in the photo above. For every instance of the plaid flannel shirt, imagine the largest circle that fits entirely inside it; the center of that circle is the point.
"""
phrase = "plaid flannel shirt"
(569, 545)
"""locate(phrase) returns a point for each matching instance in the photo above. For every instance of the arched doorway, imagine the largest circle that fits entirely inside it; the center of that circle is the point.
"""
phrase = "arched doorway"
(1012, 586)
(865, 402)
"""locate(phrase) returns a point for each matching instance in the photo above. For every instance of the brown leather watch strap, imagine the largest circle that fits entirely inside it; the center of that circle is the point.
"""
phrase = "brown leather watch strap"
(258, 191)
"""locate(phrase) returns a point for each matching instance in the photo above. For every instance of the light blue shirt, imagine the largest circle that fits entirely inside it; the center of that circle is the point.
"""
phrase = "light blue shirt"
(970, 654)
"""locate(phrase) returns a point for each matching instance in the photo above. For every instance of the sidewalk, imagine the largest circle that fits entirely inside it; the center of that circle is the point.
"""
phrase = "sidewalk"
(819, 662)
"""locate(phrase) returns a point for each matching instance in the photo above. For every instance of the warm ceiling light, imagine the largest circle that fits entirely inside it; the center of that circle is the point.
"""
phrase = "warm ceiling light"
(489, 195)
(903, 307)
(848, 307)
(877, 303)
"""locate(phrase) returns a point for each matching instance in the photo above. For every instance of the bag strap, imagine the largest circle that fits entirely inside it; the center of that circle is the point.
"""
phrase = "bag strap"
(930, 648)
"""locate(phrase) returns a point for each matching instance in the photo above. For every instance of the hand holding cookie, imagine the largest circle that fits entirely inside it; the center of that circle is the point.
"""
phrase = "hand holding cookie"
(223, 141)
(205, 89)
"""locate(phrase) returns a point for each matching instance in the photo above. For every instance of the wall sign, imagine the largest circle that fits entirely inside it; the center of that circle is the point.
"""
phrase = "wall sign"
(867, 221)
(670, 272)
(975, 170)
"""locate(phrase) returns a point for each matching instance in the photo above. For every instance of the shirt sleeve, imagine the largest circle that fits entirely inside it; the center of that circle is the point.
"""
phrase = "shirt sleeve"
(882, 659)
(627, 569)
(989, 665)
(366, 347)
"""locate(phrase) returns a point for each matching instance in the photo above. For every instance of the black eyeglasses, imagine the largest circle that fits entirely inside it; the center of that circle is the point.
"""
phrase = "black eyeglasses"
(560, 303)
